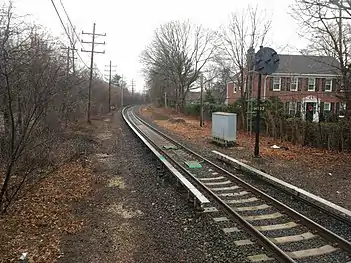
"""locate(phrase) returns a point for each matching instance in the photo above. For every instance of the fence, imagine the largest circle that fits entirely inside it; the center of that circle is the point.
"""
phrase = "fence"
(326, 135)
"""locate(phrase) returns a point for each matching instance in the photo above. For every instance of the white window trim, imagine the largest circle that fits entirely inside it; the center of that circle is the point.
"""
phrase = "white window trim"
(342, 106)
(297, 84)
(280, 84)
(292, 104)
(234, 89)
(314, 84)
(329, 108)
(331, 85)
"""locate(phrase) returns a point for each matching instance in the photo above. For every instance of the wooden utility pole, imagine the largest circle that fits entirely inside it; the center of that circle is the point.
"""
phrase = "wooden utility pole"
(110, 71)
(133, 88)
(109, 88)
(92, 51)
(69, 57)
(73, 58)
(122, 92)
(144, 91)
(68, 54)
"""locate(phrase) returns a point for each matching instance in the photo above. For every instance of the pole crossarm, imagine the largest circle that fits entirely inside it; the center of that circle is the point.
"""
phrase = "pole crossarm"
(92, 52)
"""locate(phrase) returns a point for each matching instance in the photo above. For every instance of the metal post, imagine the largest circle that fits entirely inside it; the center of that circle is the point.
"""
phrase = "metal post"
(266, 62)
(258, 117)
(201, 101)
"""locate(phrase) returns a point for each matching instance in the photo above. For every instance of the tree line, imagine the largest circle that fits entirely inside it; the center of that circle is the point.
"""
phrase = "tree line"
(181, 52)
(40, 98)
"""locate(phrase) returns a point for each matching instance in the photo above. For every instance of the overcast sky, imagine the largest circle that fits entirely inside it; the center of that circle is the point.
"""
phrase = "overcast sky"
(130, 24)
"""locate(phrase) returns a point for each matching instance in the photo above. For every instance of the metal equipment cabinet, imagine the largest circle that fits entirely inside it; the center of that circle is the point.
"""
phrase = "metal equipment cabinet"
(224, 128)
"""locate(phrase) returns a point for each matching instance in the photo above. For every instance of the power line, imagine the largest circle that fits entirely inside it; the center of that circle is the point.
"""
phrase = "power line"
(69, 20)
(70, 40)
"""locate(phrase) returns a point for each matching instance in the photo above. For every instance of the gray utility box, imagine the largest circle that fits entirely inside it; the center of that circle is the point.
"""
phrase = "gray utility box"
(224, 128)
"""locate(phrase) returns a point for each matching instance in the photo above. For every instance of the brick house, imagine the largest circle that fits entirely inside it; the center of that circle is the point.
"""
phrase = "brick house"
(306, 84)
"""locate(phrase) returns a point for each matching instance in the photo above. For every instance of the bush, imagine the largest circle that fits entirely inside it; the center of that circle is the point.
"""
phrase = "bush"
(192, 109)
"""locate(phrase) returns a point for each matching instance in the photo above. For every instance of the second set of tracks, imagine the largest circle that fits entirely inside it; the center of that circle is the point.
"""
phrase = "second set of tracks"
(287, 234)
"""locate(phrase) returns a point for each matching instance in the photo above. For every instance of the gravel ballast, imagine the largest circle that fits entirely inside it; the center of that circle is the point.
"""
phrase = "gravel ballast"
(133, 219)
(311, 212)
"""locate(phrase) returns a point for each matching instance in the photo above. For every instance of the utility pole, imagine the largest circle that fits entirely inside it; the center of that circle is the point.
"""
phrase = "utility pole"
(201, 101)
(144, 91)
(69, 57)
(109, 84)
(92, 51)
(133, 88)
(73, 58)
(68, 54)
(166, 100)
(122, 92)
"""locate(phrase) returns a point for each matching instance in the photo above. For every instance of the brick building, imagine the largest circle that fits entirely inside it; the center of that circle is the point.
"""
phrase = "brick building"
(308, 84)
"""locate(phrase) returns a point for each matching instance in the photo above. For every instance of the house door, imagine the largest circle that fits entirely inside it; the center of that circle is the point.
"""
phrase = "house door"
(310, 110)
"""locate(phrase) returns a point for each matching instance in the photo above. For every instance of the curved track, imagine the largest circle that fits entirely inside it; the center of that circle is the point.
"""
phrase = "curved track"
(289, 235)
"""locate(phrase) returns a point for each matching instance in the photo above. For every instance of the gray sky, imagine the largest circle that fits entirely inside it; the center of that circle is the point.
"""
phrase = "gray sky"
(130, 24)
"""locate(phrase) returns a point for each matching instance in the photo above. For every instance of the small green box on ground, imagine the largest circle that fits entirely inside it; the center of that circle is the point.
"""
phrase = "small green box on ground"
(170, 147)
(193, 164)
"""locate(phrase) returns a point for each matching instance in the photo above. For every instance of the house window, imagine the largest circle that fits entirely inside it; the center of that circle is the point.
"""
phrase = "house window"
(294, 83)
(311, 84)
(292, 108)
(277, 82)
(328, 85)
(234, 89)
(327, 106)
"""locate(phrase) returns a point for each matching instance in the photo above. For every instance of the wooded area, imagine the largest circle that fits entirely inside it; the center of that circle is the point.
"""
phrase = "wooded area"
(181, 54)
(41, 99)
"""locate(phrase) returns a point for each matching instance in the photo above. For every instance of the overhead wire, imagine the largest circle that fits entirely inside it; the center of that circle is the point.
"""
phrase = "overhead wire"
(70, 22)
(74, 30)
(64, 27)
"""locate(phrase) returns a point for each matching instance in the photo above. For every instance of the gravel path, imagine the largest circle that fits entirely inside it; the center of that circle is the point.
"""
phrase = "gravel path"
(132, 219)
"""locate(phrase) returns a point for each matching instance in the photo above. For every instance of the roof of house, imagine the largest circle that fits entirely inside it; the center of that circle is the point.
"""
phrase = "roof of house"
(307, 64)
(193, 95)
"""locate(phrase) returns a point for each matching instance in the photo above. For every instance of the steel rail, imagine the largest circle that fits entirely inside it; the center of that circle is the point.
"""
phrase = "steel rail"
(336, 215)
(322, 231)
(281, 256)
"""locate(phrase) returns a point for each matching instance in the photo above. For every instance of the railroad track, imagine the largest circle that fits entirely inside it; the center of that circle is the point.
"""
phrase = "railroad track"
(287, 234)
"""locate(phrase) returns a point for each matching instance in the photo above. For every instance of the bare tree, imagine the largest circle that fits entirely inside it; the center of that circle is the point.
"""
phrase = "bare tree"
(30, 72)
(326, 24)
(218, 78)
(36, 97)
(247, 30)
(179, 51)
